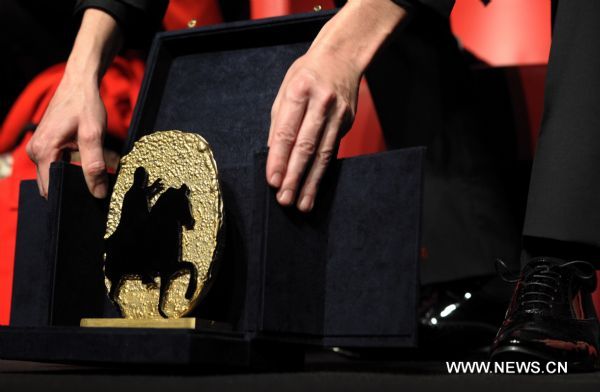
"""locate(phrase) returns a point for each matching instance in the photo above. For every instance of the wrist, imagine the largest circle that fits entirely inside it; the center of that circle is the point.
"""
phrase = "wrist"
(358, 31)
(79, 79)
(95, 46)
(83, 67)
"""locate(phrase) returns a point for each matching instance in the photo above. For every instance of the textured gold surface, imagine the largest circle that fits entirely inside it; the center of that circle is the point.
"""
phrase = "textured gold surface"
(180, 323)
(176, 158)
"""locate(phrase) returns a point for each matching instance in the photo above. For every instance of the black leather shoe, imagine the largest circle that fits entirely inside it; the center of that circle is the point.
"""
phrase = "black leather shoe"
(551, 316)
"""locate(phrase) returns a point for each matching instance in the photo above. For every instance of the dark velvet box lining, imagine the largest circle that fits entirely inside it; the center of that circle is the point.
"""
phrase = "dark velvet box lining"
(221, 81)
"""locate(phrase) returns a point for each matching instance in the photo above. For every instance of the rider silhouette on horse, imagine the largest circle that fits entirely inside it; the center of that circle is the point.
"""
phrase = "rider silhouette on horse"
(147, 242)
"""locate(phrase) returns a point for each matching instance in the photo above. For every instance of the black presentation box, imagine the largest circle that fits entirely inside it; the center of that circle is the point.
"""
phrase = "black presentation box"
(344, 275)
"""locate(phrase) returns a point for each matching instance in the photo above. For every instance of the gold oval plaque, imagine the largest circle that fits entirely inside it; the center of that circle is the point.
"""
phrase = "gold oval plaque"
(174, 164)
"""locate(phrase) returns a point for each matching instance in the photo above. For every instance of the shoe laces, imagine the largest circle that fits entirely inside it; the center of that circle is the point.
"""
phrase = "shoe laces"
(541, 283)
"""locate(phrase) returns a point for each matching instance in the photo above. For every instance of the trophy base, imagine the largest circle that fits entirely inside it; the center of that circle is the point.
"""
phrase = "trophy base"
(180, 323)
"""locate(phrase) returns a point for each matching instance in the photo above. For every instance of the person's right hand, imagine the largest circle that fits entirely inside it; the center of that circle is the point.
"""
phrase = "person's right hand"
(75, 120)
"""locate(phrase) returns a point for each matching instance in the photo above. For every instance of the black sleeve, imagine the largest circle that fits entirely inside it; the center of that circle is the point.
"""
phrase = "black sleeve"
(139, 19)
(444, 7)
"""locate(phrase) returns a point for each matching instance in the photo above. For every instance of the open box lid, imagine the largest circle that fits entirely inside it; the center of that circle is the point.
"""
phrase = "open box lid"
(221, 81)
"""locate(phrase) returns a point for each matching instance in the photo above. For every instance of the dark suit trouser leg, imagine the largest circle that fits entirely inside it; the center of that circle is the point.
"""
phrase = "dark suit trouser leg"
(426, 95)
(564, 194)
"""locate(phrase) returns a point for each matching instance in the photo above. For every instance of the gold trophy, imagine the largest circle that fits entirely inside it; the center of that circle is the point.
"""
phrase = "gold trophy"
(163, 232)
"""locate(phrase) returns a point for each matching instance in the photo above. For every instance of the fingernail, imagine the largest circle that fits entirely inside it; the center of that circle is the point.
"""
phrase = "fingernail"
(285, 197)
(306, 204)
(276, 179)
(100, 189)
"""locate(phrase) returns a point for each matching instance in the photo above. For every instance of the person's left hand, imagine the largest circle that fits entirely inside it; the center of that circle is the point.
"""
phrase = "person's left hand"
(314, 108)
(317, 99)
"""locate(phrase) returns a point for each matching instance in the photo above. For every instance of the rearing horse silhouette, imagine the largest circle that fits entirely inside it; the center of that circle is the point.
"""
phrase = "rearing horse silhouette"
(171, 211)
(148, 245)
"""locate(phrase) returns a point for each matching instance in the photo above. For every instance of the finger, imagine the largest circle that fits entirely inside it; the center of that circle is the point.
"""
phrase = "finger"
(324, 155)
(92, 162)
(42, 157)
(43, 177)
(40, 184)
(38, 178)
(286, 125)
(305, 146)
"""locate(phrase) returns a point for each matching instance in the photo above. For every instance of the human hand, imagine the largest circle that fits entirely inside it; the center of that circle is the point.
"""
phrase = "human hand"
(74, 120)
(314, 108)
(316, 102)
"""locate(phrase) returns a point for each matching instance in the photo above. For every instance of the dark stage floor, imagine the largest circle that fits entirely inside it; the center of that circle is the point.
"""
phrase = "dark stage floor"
(323, 372)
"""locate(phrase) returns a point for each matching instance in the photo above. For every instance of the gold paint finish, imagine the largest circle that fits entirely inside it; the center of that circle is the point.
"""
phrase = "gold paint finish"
(180, 323)
(176, 158)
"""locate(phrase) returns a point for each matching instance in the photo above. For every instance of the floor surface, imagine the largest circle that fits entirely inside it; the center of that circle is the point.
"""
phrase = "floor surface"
(329, 372)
